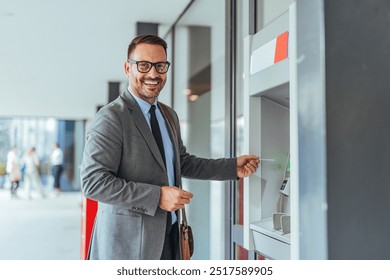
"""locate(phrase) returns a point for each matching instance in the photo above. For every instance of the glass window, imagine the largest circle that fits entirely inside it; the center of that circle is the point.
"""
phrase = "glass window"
(166, 94)
(242, 31)
(268, 10)
(199, 99)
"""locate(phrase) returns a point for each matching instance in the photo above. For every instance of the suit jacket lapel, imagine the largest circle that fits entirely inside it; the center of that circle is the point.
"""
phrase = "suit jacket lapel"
(142, 125)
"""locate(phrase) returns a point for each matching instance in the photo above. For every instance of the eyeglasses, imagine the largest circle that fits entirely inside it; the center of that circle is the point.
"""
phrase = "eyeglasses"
(145, 66)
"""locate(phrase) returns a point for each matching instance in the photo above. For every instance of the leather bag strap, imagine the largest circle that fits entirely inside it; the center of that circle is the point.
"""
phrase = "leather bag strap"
(168, 115)
(164, 108)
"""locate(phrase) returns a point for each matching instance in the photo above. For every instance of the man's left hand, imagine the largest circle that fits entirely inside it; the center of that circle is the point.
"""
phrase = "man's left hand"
(247, 165)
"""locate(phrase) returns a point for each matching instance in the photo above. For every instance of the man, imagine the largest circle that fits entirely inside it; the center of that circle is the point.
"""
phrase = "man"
(134, 169)
(57, 161)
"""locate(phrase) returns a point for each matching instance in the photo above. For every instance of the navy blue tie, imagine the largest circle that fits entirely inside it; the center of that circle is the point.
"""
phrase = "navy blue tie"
(157, 136)
(156, 131)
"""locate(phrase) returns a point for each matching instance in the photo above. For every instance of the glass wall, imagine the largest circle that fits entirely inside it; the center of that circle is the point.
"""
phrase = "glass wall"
(269, 10)
(166, 95)
(199, 99)
(242, 30)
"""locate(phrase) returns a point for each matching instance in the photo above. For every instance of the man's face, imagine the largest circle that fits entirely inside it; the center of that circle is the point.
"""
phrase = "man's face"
(146, 85)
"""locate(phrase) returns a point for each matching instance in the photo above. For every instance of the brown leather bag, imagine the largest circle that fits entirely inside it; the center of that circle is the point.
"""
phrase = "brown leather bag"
(186, 238)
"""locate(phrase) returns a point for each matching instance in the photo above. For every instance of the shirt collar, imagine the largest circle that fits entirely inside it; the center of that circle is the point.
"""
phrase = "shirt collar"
(145, 106)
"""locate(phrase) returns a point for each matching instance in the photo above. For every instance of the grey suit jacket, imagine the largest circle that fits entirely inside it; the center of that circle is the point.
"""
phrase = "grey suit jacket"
(123, 170)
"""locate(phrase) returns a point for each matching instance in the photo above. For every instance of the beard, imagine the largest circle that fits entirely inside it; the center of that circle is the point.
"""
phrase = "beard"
(148, 94)
(146, 87)
(151, 92)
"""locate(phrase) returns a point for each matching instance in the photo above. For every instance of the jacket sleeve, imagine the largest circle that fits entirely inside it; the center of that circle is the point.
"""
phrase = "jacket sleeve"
(194, 167)
(100, 163)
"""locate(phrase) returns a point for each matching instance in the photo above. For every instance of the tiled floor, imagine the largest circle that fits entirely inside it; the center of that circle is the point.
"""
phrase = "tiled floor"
(40, 229)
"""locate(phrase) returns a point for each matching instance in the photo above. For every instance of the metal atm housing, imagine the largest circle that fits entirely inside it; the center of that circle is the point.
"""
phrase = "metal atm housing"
(269, 114)
(336, 121)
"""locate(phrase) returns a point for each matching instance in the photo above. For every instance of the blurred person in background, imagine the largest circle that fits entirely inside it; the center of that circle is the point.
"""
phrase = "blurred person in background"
(13, 170)
(32, 178)
(57, 162)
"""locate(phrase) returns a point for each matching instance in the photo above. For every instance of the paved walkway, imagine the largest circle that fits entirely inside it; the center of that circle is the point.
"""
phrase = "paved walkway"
(40, 229)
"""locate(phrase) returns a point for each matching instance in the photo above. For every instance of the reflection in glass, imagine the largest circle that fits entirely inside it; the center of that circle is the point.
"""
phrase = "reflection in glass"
(240, 253)
(199, 100)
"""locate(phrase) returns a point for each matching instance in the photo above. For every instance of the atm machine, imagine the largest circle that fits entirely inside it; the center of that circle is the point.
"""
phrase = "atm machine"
(317, 60)
(270, 114)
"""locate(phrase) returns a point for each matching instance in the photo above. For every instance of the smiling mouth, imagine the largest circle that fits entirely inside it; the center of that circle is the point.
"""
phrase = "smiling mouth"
(151, 82)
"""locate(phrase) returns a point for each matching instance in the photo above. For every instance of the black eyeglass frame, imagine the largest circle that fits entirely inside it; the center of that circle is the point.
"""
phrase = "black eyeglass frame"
(151, 65)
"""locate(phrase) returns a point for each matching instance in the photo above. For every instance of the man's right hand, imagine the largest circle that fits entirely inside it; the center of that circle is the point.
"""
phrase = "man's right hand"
(173, 198)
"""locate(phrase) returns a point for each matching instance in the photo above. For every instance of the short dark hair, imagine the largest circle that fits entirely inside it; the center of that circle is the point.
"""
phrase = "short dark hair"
(146, 39)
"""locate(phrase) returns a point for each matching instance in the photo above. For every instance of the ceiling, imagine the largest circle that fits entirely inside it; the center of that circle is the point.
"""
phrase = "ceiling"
(57, 56)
